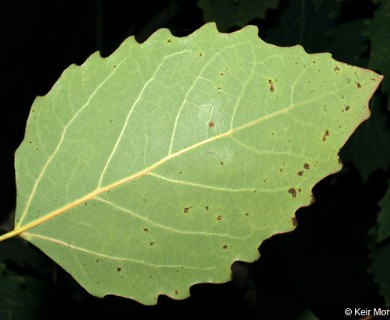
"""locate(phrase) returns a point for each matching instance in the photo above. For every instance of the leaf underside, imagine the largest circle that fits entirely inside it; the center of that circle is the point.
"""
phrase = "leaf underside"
(156, 168)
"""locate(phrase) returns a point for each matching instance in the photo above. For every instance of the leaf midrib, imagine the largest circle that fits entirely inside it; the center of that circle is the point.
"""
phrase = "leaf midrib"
(98, 191)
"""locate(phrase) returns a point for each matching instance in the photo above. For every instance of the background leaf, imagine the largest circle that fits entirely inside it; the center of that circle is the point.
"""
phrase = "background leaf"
(209, 161)
(378, 31)
(20, 296)
(234, 13)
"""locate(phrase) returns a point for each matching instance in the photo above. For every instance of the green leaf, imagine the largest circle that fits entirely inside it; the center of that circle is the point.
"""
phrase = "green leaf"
(232, 13)
(369, 148)
(378, 30)
(384, 218)
(380, 250)
(156, 168)
(380, 266)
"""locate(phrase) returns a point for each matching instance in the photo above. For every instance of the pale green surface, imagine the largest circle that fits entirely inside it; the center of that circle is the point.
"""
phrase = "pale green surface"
(226, 158)
(234, 13)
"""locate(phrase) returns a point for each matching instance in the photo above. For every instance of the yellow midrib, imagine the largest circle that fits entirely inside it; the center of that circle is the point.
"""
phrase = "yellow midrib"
(137, 175)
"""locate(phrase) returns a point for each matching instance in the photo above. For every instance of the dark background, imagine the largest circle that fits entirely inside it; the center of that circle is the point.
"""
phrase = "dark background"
(321, 266)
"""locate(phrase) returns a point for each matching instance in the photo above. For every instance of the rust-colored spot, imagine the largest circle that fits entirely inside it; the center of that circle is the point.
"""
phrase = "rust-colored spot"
(293, 192)
(271, 85)
(187, 209)
(224, 246)
(118, 269)
(294, 221)
(219, 218)
(358, 85)
(300, 173)
(326, 135)
(306, 166)
(211, 124)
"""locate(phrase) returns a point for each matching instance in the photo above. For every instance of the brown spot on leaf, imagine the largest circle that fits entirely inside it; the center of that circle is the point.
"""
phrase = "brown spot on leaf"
(118, 269)
(346, 108)
(326, 135)
(336, 68)
(293, 192)
(187, 209)
(151, 243)
(358, 85)
(207, 208)
(300, 173)
(176, 292)
(169, 41)
(271, 85)
(221, 74)
(224, 246)
(219, 218)
(97, 260)
(306, 166)
(246, 214)
(221, 163)
(211, 124)
(146, 230)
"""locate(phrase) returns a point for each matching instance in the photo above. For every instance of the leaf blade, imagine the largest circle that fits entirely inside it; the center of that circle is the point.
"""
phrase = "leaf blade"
(179, 156)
